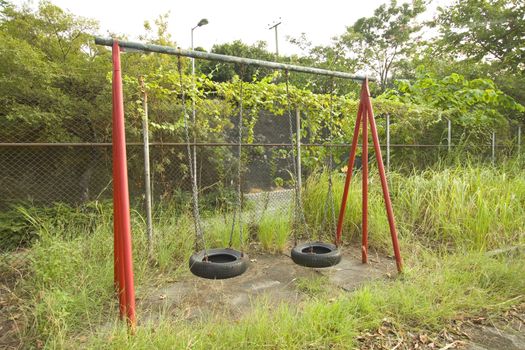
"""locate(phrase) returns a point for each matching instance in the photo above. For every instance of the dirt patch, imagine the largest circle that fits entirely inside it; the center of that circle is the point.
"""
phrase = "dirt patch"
(272, 279)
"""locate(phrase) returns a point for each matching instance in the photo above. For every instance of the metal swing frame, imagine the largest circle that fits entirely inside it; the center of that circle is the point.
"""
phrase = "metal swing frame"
(123, 264)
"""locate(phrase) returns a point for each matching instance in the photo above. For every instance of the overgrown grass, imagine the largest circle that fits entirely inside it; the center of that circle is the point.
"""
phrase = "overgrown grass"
(68, 287)
(446, 219)
(472, 208)
(218, 230)
(313, 286)
(431, 293)
(274, 231)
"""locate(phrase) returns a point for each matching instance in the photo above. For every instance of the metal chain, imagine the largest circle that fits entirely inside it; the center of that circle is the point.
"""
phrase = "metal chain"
(239, 169)
(329, 202)
(298, 203)
(330, 194)
(193, 177)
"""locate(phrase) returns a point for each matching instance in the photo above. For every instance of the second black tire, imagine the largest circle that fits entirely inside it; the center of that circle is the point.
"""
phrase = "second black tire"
(316, 254)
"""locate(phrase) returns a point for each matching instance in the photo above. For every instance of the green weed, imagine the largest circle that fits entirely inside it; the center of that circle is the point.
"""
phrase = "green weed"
(274, 231)
(473, 207)
(312, 286)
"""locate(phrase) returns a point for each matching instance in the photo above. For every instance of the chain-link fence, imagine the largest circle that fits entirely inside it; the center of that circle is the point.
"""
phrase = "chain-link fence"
(41, 174)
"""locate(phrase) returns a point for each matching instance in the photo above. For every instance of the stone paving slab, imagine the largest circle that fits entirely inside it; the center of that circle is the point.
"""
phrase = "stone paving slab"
(270, 279)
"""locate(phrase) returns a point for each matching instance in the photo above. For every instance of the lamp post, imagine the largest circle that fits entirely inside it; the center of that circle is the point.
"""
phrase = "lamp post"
(201, 23)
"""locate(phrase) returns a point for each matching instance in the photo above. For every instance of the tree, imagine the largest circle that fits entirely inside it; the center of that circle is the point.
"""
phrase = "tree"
(331, 57)
(487, 34)
(380, 42)
(492, 30)
(221, 72)
(477, 105)
(52, 74)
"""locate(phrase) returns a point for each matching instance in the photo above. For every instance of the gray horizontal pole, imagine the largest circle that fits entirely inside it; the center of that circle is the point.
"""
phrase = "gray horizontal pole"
(225, 58)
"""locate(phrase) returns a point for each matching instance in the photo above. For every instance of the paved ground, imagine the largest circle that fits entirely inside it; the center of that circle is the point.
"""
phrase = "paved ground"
(483, 337)
(271, 278)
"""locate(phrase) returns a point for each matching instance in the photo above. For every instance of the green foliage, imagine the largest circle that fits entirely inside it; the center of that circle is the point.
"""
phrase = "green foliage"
(222, 72)
(457, 96)
(485, 29)
(476, 106)
(484, 38)
(51, 77)
(386, 38)
(56, 88)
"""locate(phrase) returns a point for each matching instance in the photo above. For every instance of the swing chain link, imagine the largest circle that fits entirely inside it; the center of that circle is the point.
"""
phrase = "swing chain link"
(330, 194)
(238, 207)
(193, 177)
(329, 202)
(298, 217)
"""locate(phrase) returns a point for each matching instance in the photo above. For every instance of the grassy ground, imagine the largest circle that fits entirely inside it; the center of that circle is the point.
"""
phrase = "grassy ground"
(447, 220)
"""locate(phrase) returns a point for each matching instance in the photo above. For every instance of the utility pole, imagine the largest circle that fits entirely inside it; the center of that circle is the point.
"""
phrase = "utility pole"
(276, 36)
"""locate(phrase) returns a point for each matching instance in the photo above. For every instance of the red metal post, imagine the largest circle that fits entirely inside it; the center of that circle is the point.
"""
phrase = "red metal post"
(349, 170)
(364, 187)
(118, 267)
(115, 221)
(120, 180)
(384, 184)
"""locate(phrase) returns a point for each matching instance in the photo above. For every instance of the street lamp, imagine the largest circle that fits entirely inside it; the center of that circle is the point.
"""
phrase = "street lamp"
(201, 23)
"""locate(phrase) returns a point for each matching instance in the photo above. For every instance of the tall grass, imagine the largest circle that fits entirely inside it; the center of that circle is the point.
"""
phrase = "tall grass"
(473, 207)
(68, 288)
(218, 229)
(274, 231)
(445, 218)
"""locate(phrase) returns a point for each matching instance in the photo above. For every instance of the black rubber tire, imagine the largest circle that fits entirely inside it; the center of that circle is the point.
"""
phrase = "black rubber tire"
(324, 255)
(222, 263)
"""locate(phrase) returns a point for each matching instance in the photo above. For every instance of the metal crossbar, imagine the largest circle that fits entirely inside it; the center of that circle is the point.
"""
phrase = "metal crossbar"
(136, 46)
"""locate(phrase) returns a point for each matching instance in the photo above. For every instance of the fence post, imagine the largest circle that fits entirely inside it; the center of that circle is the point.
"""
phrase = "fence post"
(519, 140)
(147, 176)
(388, 142)
(449, 135)
(493, 148)
(298, 141)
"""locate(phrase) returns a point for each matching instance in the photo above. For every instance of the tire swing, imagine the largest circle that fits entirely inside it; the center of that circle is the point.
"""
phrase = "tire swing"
(309, 254)
(217, 263)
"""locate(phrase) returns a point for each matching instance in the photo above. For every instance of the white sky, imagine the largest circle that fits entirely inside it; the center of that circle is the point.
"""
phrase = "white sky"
(229, 19)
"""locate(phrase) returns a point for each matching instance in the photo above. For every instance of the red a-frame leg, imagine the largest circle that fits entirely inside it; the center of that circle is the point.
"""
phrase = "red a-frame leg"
(365, 113)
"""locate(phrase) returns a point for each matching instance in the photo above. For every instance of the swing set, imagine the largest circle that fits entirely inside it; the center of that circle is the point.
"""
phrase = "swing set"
(220, 263)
